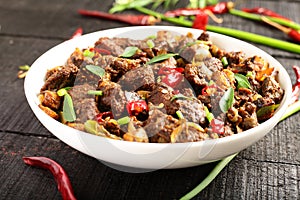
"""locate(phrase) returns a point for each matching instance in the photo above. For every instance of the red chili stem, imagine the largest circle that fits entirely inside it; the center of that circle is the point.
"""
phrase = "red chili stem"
(296, 85)
(265, 11)
(130, 19)
(60, 175)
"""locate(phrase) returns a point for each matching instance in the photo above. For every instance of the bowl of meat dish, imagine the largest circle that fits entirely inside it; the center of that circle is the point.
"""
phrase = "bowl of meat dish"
(157, 97)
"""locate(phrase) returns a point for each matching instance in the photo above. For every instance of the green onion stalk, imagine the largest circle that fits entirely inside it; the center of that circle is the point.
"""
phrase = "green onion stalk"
(271, 42)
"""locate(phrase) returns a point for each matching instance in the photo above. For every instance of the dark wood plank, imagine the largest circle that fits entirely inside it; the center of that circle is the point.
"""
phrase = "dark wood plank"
(16, 116)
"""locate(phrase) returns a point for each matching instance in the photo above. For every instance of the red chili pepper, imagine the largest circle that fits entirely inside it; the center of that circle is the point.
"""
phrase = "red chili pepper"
(200, 21)
(173, 76)
(60, 175)
(265, 11)
(295, 35)
(219, 8)
(130, 19)
(217, 126)
(296, 85)
(134, 108)
(101, 116)
(77, 33)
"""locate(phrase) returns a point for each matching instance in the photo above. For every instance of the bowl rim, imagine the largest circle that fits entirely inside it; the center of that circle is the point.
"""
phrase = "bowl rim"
(279, 111)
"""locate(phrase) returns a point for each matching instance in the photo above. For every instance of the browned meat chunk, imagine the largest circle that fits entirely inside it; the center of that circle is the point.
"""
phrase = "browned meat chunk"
(60, 77)
(271, 88)
(161, 93)
(113, 98)
(120, 66)
(196, 75)
(84, 103)
(138, 78)
(50, 99)
(159, 126)
(192, 109)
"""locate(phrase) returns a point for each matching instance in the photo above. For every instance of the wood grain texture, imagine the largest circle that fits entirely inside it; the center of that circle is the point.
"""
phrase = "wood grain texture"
(269, 169)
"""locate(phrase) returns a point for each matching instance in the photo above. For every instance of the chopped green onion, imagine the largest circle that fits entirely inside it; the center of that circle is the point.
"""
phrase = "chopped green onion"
(161, 58)
(61, 92)
(99, 71)
(249, 74)
(129, 51)
(242, 81)
(123, 120)
(224, 61)
(95, 92)
(150, 44)
(226, 101)
(24, 67)
(88, 53)
(209, 115)
(151, 37)
(179, 114)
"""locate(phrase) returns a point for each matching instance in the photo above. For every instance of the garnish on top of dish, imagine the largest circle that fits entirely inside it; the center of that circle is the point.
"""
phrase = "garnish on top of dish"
(166, 88)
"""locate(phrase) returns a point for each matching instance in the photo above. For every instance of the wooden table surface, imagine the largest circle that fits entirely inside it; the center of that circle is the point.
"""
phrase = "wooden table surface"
(269, 169)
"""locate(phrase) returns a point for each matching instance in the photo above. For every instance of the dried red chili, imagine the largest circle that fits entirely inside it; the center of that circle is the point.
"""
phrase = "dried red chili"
(101, 116)
(217, 126)
(130, 19)
(134, 108)
(173, 76)
(60, 175)
(296, 85)
(200, 21)
(264, 11)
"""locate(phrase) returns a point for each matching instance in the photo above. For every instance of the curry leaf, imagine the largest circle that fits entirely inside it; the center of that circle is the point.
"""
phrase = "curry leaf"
(99, 71)
(161, 57)
(180, 96)
(129, 51)
(226, 101)
(242, 81)
(68, 109)
(267, 110)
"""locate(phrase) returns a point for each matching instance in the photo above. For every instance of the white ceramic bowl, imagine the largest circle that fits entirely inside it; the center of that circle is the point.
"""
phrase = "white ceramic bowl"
(148, 156)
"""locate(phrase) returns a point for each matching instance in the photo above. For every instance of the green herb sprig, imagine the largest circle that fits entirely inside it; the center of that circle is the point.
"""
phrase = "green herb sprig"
(242, 81)
(161, 58)
(129, 52)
